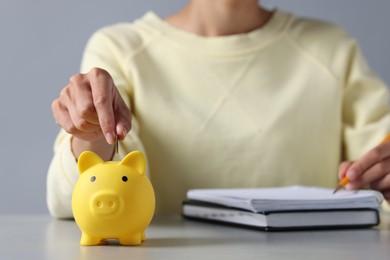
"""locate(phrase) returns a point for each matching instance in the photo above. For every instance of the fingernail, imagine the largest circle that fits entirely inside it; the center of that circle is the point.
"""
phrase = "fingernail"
(349, 186)
(110, 138)
(351, 174)
(124, 132)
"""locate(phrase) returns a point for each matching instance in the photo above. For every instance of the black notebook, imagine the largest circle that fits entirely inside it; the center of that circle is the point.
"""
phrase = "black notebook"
(285, 208)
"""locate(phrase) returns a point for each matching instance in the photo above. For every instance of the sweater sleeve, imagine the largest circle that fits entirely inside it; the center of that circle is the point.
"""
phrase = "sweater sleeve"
(102, 51)
(366, 113)
(365, 107)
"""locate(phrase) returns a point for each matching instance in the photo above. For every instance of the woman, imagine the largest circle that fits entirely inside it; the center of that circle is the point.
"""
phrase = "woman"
(224, 94)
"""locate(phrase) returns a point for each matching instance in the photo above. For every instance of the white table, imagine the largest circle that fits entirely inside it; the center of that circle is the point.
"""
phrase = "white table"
(172, 237)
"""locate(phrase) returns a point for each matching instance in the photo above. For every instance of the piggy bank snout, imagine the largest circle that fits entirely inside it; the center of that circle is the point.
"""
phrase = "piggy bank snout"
(105, 203)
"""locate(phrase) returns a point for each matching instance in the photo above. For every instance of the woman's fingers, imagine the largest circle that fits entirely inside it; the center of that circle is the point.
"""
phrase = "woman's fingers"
(90, 106)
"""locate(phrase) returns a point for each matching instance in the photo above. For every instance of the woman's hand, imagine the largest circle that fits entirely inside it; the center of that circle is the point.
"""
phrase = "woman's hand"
(372, 170)
(92, 110)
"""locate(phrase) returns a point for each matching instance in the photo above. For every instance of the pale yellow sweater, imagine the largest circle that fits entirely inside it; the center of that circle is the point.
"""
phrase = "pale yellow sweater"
(281, 105)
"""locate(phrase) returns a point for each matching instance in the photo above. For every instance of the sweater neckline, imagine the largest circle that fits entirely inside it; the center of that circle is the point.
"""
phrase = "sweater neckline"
(220, 45)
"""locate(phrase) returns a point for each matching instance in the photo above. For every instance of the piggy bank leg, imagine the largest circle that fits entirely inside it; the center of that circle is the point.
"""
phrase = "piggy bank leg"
(131, 239)
(143, 236)
(87, 240)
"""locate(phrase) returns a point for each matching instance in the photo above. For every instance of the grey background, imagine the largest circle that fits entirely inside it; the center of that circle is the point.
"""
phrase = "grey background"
(41, 44)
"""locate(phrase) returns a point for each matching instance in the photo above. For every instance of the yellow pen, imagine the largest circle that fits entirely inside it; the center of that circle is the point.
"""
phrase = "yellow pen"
(345, 180)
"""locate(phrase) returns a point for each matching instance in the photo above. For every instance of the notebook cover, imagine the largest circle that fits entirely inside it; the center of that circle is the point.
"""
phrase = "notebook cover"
(271, 228)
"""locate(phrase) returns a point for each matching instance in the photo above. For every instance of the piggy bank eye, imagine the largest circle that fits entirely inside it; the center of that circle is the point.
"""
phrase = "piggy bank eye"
(124, 179)
(93, 178)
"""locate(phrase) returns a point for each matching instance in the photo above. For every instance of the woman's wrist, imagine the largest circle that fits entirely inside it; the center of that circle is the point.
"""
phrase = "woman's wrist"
(100, 147)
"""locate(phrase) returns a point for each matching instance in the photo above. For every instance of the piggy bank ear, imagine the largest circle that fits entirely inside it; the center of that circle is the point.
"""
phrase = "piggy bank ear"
(135, 160)
(88, 159)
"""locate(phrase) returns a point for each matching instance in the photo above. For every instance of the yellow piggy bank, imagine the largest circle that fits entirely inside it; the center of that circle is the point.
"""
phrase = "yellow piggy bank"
(112, 200)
